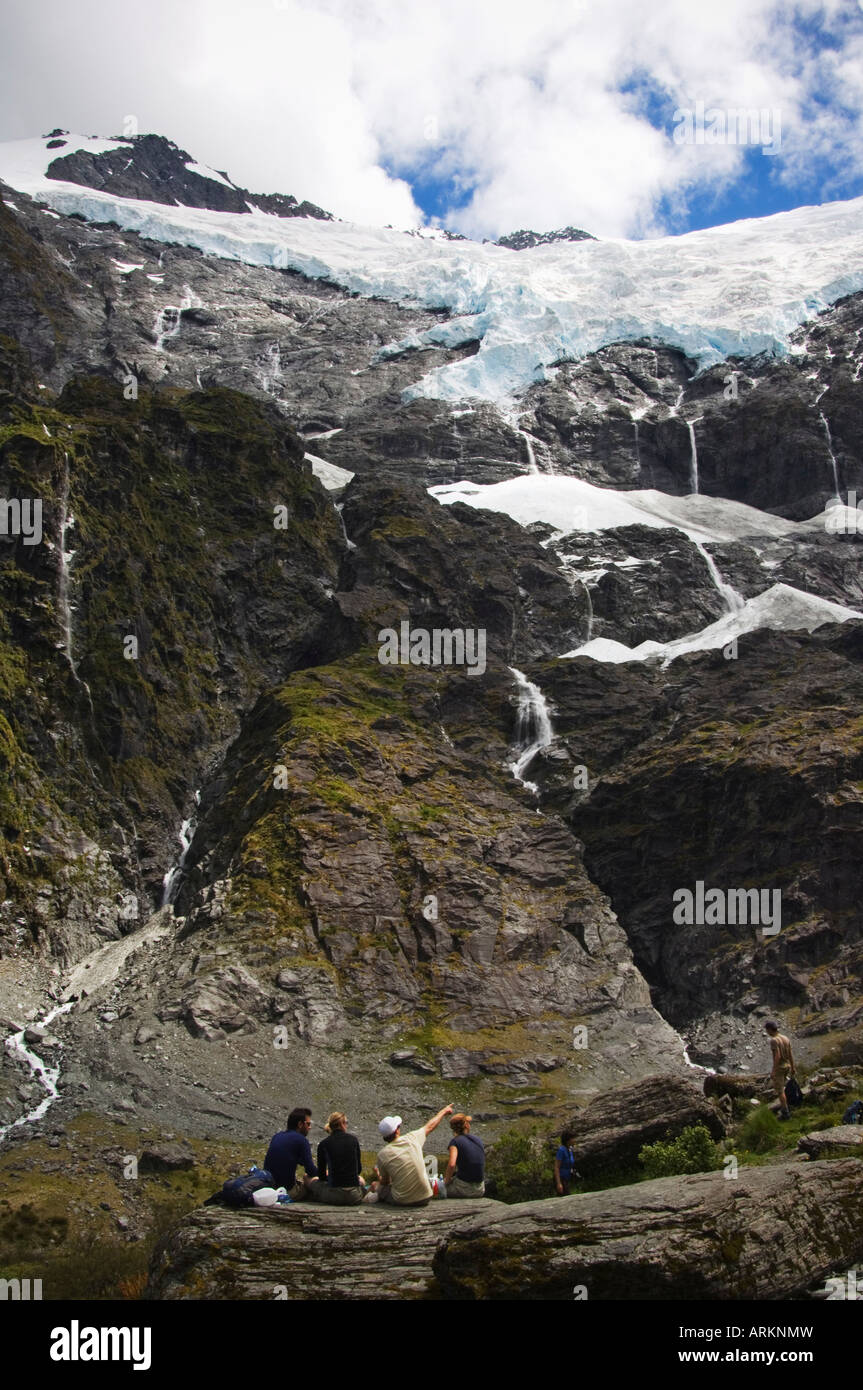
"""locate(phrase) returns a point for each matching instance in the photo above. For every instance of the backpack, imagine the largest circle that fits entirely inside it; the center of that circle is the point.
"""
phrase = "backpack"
(793, 1093)
(854, 1114)
(239, 1192)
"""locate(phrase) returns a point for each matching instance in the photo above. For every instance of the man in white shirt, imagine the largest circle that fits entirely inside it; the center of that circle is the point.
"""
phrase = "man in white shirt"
(404, 1180)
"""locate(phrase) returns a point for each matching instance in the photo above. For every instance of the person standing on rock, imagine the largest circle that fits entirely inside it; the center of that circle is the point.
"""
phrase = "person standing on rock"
(289, 1149)
(783, 1066)
(564, 1164)
(404, 1180)
(340, 1164)
(465, 1173)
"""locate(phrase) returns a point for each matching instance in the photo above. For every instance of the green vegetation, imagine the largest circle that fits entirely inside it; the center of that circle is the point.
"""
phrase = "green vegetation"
(693, 1151)
(761, 1131)
(521, 1165)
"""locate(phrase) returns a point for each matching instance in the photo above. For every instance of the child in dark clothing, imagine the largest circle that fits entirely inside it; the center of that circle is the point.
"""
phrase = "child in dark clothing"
(564, 1164)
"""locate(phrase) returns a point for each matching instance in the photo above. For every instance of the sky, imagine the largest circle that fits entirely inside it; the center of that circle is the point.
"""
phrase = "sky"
(617, 116)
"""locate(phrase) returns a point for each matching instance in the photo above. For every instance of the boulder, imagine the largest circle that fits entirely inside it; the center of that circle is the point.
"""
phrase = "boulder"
(611, 1130)
(408, 1057)
(769, 1234)
(164, 1159)
(306, 1252)
(737, 1087)
(839, 1141)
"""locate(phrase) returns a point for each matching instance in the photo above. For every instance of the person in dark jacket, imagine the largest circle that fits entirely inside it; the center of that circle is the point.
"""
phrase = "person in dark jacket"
(564, 1164)
(465, 1172)
(339, 1165)
(290, 1148)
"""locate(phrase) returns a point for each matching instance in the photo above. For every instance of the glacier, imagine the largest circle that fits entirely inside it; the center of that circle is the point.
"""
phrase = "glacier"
(735, 290)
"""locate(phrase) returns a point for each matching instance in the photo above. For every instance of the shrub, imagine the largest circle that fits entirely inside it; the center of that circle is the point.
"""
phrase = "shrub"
(521, 1166)
(693, 1151)
(760, 1131)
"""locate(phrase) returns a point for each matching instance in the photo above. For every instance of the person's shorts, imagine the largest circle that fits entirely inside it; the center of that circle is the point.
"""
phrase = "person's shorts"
(336, 1196)
(385, 1194)
(779, 1079)
(457, 1187)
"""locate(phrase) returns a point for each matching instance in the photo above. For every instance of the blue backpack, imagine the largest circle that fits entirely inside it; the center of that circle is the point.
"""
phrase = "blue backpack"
(854, 1114)
(239, 1192)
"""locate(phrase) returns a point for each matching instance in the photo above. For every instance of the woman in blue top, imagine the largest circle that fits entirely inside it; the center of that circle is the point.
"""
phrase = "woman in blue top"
(564, 1164)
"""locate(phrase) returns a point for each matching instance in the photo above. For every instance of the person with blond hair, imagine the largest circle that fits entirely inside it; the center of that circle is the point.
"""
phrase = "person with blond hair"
(340, 1166)
(465, 1172)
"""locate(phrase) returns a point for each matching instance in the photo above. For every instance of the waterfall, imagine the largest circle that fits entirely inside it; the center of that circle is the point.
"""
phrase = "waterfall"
(171, 881)
(47, 1075)
(637, 446)
(533, 730)
(531, 456)
(167, 323)
(730, 597)
(65, 559)
(348, 542)
(271, 376)
(589, 611)
(832, 455)
(693, 457)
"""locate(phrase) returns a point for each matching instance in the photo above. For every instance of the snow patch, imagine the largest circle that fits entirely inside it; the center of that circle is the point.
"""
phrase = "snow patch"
(329, 474)
(780, 608)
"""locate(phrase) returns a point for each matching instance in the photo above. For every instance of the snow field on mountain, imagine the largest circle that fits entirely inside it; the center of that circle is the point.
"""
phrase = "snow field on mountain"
(781, 608)
(571, 504)
(739, 289)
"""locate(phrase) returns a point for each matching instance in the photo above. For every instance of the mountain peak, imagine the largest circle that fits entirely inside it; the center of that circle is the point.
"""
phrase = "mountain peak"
(523, 240)
(155, 170)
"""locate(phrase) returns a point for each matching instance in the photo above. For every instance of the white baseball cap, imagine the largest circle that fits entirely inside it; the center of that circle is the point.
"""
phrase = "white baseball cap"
(389, 1124)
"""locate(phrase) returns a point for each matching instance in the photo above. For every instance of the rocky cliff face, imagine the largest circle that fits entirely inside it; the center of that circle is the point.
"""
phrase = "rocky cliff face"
(324, 865)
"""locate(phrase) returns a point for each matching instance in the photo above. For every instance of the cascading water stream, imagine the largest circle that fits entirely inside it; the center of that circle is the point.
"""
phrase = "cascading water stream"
(693, 457)
(172, 879)
(351, 545)
(826, 425)
(47, 1075)
(65, 558)
(533, 730)
(531, 455)
(730, 597)
(168, 320)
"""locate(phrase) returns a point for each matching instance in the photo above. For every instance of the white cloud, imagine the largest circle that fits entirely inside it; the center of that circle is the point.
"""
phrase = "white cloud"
(536, 112)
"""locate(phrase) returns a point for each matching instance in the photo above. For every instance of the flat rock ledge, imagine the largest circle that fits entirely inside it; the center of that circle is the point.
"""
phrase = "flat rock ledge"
(307, 1252)
(768, 1234)
(840, 1142)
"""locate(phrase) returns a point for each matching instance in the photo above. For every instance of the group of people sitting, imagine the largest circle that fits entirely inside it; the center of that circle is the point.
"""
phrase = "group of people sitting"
(400, 1176)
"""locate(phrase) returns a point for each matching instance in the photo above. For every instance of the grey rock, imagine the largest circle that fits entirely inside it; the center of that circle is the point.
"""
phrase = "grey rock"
(612, 1129)
(164, 1158)
(408, 1058)
(837, 1142)
(384, 1253)
(767, 1235)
